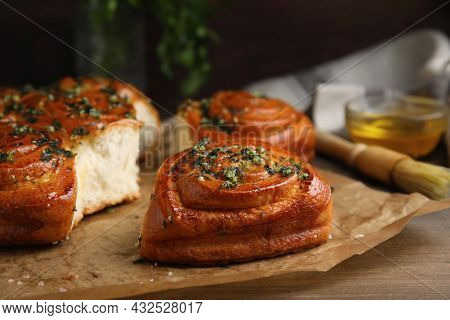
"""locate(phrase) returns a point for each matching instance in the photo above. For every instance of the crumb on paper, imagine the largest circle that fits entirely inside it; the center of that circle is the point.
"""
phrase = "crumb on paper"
(330, 236)
(151, 280)
(41, 283)
(156, 264)
(358, 236)
(11, 280)
(19, 283)
(26, 276)
(170, 273)
(62, 290)
(70, 277)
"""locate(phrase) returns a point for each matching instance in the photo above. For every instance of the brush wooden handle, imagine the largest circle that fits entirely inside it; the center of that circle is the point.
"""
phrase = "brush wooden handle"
(374, 161)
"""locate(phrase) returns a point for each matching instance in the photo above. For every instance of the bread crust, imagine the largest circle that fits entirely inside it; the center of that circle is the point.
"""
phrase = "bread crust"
(239, 115)
(192, 221)
(38, 130)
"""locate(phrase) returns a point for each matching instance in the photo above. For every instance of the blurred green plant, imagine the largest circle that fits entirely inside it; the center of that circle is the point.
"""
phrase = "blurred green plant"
(185, 36)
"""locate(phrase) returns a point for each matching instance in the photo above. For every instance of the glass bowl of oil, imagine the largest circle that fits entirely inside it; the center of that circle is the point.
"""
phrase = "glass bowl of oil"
(409, 124)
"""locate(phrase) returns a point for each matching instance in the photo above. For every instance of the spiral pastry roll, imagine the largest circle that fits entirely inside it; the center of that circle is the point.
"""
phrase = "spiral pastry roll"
(238, 114)
(230, 201)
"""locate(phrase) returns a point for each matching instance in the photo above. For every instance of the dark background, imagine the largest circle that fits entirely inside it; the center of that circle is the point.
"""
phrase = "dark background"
(259, 39)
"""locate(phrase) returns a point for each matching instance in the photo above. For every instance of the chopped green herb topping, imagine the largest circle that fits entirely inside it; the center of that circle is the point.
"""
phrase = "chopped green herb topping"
(201, 145)
(232, 175)
(40, 142)
(218, 122)
(14, 107)
(84, 107)
(6, 157)
(21, 130)
(55, 126)
(46, 155)
(204, 160)
(54, 148)
(304, 176)
(72, 92)
(79, 132)
(129, 115)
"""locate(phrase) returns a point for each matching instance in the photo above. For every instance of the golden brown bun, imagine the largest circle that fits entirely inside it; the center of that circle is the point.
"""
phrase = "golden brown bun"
(241, 115)
(205, 212)
(41, 130)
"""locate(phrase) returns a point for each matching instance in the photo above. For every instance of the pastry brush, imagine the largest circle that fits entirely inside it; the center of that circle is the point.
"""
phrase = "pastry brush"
(388, 166)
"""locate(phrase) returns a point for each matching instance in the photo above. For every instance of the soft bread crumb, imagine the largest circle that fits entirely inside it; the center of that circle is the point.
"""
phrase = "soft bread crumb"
(149, 131)
(107, 170)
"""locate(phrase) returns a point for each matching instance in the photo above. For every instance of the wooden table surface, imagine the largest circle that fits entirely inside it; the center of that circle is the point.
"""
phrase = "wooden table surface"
(413, 265)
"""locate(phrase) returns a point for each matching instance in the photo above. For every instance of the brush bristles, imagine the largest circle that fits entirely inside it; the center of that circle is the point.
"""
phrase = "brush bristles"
(430, 180)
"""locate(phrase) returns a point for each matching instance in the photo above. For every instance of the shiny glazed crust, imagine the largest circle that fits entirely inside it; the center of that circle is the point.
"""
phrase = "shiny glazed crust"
(196, 216)
(38, 130)
(239, 114)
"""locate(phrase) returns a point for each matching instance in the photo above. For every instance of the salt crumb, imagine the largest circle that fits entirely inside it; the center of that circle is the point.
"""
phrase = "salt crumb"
(62, 290)
(170, 273)
(11, 280)
(201, 178)
(358, 236)
(330, 236)
(19, 283)
(41, 283)
(151, 280)
(156, 264)
(27, 276)
(77, 275)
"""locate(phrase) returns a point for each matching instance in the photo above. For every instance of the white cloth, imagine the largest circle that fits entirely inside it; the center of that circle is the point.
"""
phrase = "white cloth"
(329, 105)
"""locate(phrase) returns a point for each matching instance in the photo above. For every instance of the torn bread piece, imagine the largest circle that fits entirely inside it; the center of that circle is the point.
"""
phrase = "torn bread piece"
(67, 151)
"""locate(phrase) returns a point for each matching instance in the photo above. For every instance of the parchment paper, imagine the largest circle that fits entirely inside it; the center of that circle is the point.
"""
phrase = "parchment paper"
(100, 260)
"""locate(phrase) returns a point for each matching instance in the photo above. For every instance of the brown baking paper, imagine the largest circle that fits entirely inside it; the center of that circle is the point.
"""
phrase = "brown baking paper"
(100, 258)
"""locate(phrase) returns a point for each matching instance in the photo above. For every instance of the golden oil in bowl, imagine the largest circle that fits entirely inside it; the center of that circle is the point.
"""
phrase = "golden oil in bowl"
(408, 124)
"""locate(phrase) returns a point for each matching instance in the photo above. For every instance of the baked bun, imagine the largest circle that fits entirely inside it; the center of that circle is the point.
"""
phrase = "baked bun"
(66, 151)
(233, 201)
(238, 115)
